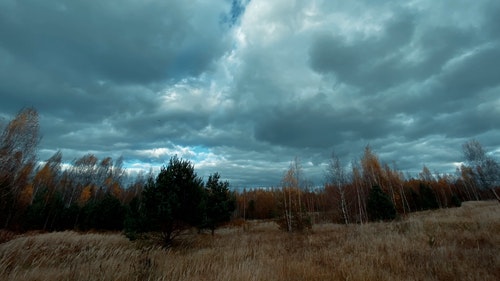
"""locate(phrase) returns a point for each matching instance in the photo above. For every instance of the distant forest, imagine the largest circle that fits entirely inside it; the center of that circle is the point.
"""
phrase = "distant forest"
(91, 193)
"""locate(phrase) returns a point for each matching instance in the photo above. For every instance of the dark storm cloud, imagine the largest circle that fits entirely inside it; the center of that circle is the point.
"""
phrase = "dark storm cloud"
(416, 74)
(379, 63)
(315, 124)
(96, 71)
(243, 87)
(474, 72)
(373, 63)
(129, 41)
(383, 61)
(95, 57)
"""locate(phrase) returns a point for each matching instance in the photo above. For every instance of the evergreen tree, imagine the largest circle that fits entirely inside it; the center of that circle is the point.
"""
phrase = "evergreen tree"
(428, 199)
(135, 220)
(379, 205)
(219, 202)
(103, 214)
(455, 201)
(170, 204)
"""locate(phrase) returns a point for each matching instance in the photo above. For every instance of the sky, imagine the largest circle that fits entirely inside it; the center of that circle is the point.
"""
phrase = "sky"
(244, 87)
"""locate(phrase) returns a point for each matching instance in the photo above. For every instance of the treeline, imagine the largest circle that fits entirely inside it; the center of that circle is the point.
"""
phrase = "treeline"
(344, 198)
(91, 193)
(87, 195)
(350, 189)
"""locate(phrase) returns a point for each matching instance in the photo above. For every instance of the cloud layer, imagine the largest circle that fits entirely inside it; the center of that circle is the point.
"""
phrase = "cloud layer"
(243, 87)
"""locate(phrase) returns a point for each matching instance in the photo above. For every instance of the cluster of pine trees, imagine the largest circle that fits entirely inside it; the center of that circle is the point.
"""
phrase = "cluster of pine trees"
(90, 193)
(178, 200)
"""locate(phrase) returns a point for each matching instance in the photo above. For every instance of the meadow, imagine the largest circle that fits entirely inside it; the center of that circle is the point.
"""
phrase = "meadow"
(447, 244)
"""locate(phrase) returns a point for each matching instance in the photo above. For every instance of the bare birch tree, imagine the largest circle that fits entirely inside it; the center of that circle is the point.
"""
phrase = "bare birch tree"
(18, 145)
(483, 170)
(337, 177)
(294, 217)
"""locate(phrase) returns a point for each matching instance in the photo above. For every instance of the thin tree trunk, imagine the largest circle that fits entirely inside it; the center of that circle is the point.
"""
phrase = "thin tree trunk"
(467, 192)
(289, 216)
(344, 207)
(496, 195)
(359, 204)
(403, 194)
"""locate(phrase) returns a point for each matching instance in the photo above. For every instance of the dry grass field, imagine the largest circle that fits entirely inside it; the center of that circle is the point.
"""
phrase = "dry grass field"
(450, 244)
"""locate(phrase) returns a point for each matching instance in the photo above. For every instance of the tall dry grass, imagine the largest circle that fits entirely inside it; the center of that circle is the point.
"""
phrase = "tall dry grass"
(450, 244)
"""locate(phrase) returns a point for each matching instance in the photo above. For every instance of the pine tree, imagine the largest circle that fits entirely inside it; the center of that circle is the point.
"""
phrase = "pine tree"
(379, 205)
(219, 203)
(428, 199)
(170, 204)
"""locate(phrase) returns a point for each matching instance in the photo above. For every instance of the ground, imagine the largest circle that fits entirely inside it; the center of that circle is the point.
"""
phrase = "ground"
(449, 244)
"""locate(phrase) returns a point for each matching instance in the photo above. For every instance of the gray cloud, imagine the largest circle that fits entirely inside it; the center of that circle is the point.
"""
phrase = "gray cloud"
(242, 87)
(372, 63)
(119, 41)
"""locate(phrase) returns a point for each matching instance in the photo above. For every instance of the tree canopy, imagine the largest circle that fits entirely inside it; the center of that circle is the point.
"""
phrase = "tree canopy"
(219, 202)
(171, 203)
